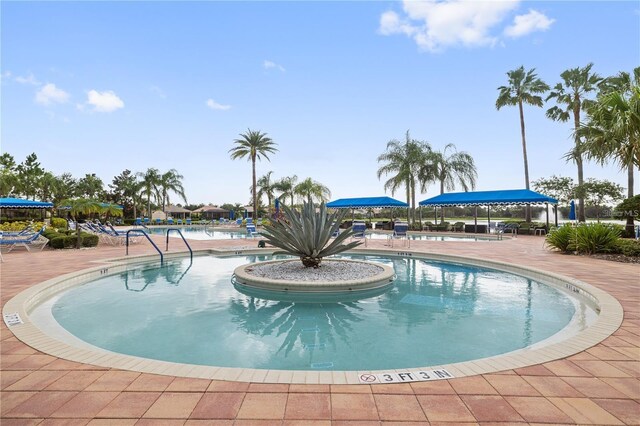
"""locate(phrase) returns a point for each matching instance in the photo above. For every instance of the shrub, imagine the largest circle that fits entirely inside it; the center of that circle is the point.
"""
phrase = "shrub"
(19, 226)
(628, 247)
(58, 222)
(562, 238)
(597, 238)
(59, 240)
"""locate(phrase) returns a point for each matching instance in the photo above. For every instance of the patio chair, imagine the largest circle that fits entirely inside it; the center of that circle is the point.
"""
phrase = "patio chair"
(251, 231)
(170, 221)
(189, 221)
(36, 240)
(359, 231)
(179, 221)
(400, 230)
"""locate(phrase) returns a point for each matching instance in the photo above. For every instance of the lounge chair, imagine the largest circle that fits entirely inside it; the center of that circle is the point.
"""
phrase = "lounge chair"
(34, 240)
(359, 231)
(239, 222)
(400, 230)
(251, 231)
(138, 221)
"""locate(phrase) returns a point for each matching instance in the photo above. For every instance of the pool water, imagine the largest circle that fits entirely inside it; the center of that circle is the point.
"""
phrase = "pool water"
(189, 311)
(208, 233)
(201, 233)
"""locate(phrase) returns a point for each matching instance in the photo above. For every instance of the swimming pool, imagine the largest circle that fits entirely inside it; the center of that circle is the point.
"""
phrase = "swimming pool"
(436, 313)
(209, 233)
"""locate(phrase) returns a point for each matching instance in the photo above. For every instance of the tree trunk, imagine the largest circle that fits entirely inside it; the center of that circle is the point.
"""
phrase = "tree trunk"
(441, 208)
(578, 158)
(78, 237)
(630, 226)
(255, 198)
(413, 203)
(527, 209)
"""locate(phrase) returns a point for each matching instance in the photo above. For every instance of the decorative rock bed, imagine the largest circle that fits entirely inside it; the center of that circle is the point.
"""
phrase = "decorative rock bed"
(333, 276)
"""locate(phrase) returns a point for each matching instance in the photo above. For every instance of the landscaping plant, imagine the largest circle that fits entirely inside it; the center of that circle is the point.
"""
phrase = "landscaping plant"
(307, 233)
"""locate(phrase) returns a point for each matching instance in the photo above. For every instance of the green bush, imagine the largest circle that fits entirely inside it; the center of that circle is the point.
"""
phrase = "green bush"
(69, 240)
(58, 222)
(19, 226)
(628, 247)
(585, 238)
(597, 238)
(562, 238)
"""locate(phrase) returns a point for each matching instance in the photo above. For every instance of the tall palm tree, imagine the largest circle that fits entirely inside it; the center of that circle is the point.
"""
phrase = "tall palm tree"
(310, 190)
(613, 128)
(457, 167)
(570, 97)
(287, 186)
(171, 181)
(254, 145)
(266, 187)
(150, 186)
(404, 161)
(522, 89)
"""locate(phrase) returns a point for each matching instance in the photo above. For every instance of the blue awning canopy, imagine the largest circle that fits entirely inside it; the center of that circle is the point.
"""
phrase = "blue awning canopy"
(365, 202)
(489, 198)
(19, 203)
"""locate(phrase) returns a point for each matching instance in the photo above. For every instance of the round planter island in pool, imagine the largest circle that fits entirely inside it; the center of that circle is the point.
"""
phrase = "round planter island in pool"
(188, 318)
(333, 276)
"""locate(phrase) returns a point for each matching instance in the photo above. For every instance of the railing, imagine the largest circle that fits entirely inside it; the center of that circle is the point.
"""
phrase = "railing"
(140, 231)
(183, 239)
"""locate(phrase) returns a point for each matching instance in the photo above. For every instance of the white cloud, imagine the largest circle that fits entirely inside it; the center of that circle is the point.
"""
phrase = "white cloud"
(106, 101)
(49, 94)
(270, 64)
(435, 25)
(526, 24)
(30, 79)
(214, 105)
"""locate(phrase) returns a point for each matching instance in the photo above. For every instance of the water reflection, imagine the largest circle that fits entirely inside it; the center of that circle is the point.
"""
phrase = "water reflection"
(171, 272)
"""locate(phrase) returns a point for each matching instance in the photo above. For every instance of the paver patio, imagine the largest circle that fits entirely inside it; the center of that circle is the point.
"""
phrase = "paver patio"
(598, 386)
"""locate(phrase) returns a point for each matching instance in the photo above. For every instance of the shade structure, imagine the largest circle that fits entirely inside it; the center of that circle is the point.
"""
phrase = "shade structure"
(365, 202)
(19, 203)
(489, 198)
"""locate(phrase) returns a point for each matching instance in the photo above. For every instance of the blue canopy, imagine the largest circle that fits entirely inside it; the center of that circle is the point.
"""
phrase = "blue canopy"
(489, 198)
(19, 203)
(366, 202)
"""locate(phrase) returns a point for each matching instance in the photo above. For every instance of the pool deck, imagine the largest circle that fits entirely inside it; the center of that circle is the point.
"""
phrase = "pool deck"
(598, 386)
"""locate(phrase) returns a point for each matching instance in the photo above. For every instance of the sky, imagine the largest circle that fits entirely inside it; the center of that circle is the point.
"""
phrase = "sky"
(100, 87)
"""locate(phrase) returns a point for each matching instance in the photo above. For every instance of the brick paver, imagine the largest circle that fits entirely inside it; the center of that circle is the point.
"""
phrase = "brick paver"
(598, 386)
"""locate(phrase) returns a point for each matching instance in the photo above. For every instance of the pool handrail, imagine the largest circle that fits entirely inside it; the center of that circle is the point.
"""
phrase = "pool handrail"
(140, 231)
(181, 236)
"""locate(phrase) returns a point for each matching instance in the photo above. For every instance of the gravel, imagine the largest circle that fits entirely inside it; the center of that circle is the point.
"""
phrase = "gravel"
(293, 270)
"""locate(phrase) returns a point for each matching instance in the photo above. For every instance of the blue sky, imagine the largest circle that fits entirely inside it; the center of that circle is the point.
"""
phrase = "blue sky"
(100, 87)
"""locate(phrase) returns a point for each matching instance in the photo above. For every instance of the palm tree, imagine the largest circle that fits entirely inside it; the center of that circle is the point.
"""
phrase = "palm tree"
(254, 145)
(405, 162)
(310, 190)
(266, 187)
(287, 186)
(522, 89)
(458, 167)
(171, 181)
(150, 184)
(78, 206)
(570, 97)
(613, 128)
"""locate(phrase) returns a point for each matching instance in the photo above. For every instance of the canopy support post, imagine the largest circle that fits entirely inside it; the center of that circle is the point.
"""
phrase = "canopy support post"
(488, 219)
(475, 220)
(555, 211)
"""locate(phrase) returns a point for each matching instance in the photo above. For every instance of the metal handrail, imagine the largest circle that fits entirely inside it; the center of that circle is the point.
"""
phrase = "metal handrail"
(183, 239)
(140, 231)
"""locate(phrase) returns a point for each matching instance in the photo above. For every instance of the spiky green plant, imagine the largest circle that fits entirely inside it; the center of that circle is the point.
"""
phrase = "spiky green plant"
(307, 233)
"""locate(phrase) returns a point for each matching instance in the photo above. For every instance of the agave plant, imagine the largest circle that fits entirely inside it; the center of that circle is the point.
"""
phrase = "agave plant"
(307, 233)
